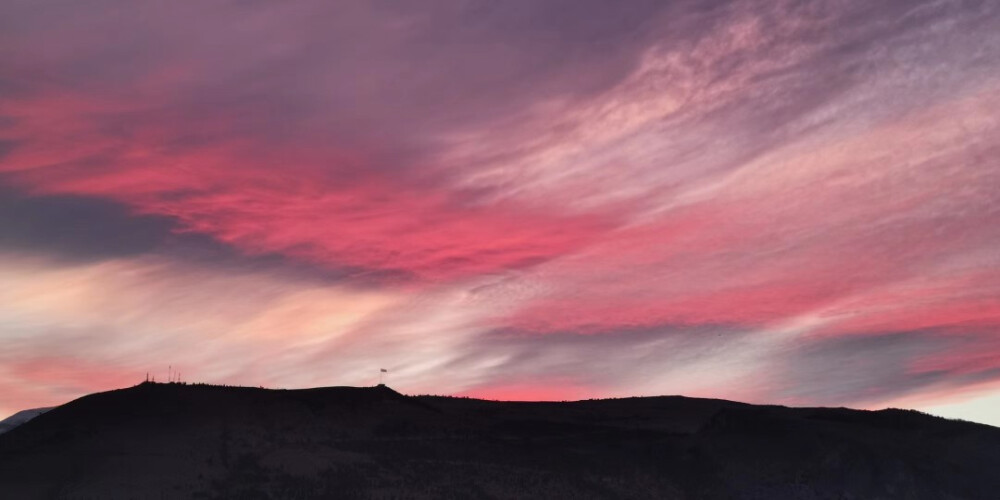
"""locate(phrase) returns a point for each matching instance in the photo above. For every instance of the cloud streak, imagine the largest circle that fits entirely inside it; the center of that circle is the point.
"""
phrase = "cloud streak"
(792, 202)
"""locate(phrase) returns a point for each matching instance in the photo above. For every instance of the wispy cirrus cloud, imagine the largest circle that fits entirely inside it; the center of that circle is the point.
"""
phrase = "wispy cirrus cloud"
(550, 199)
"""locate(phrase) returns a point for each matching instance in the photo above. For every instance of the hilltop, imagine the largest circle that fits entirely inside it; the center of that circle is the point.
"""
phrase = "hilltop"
(199, 441)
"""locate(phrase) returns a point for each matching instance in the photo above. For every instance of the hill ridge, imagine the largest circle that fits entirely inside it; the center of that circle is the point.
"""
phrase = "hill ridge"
(204, 441)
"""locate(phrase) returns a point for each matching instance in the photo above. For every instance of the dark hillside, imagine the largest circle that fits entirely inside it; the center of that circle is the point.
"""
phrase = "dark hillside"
(193, 441)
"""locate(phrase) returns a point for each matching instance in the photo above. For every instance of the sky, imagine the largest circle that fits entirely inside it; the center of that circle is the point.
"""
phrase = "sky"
(777, 202)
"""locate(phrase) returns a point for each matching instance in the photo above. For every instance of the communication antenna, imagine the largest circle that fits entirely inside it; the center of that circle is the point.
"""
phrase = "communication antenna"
(381, 376)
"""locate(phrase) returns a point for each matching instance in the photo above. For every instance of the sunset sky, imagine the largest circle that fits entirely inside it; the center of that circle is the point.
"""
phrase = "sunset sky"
(775, 202)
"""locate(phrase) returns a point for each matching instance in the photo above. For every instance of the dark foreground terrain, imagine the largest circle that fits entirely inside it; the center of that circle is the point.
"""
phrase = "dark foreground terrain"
(190, 441)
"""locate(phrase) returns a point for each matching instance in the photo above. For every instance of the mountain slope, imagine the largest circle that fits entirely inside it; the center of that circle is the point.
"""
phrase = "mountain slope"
(178, 441)
(20, 418)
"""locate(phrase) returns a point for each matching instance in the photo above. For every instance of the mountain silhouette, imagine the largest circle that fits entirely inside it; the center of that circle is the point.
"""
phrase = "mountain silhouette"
(20, 418)
(201, 441)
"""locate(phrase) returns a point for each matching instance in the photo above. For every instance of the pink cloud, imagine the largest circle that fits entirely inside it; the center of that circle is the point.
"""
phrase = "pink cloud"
(535, 390)
(328, 207)
(54, 380)
(722, 192)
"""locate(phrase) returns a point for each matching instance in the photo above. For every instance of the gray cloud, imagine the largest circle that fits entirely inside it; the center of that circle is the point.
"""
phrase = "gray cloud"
(375, 76)
(80, 229)
(862, 369)
(77, 228)
(226, 114)
(626, 359)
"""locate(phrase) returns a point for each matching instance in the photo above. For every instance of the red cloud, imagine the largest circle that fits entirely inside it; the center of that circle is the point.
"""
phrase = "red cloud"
(326, 206)
(711, 168)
